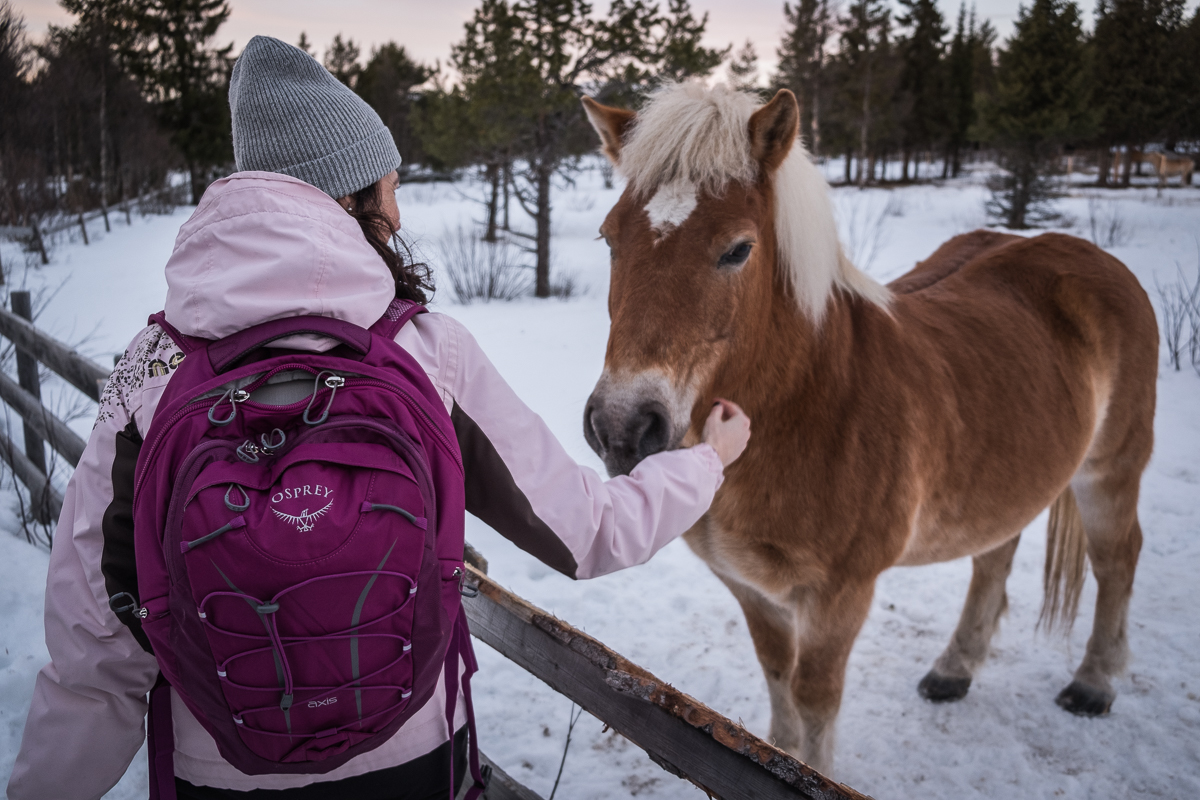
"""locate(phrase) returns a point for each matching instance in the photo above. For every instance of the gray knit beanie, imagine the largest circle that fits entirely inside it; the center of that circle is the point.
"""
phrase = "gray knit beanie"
(291, 116)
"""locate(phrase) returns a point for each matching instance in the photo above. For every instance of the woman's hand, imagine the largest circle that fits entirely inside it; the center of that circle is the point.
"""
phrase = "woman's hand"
(727, 430)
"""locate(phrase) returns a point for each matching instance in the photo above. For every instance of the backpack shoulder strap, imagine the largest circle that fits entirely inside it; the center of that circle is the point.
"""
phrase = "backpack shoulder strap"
(187, 344)
(394, 318)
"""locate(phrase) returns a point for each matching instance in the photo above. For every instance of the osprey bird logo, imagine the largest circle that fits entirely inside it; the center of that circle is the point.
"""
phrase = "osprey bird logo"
(304, 520)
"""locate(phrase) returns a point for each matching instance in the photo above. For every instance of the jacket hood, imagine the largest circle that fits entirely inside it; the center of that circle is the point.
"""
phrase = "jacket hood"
(263, 246)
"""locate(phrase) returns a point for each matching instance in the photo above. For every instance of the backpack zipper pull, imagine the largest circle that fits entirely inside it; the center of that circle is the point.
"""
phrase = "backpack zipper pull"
(334, 382)
(272, 441)
(248, 451)
(234, 396)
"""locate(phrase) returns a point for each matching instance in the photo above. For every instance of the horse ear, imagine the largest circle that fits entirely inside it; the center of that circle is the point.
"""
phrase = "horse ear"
(611, 123)
(773, 130)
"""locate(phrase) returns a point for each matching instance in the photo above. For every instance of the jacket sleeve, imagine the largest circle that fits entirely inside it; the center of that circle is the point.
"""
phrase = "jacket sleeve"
(522, 482)
(85, 723)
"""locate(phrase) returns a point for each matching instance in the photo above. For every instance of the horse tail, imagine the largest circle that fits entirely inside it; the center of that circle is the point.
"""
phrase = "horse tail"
(1066, 561)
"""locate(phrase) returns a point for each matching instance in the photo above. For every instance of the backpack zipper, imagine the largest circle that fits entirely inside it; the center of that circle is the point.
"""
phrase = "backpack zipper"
(407, 398)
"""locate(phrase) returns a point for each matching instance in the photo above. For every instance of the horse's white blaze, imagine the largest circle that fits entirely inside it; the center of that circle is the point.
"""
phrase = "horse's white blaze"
(671, 205)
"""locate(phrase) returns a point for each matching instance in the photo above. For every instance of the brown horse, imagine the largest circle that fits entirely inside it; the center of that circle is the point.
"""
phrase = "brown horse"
(926, 421)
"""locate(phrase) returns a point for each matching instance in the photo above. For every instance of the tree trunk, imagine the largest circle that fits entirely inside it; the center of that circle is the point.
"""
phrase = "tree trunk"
(1023, 176)
(195, 180)
(865, 128)
(104, 135)
(816, 118)
(542, 288)
(1127, 167)
(507, 187)
(849, 161)
(1104, 160)
(493, 178)
(904, 165)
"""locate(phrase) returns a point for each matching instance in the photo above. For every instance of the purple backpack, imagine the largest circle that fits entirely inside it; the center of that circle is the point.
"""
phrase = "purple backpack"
(298, 527)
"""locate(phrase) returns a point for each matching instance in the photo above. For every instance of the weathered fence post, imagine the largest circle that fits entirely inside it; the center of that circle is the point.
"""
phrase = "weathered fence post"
(27, 377)
(40, 243)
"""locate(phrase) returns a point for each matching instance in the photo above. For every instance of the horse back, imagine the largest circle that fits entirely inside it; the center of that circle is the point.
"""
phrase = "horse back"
(949, 258)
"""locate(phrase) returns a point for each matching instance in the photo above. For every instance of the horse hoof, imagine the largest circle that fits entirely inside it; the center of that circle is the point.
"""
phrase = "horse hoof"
(939, 689)
(1085, 701)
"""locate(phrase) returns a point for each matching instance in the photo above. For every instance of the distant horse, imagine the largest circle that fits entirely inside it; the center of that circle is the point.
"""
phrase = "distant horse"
(921, 422)
(1166, 165)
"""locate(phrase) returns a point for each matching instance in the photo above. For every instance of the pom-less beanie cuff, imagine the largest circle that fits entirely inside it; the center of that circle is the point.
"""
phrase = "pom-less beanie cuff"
(292, 117)
(350, 169)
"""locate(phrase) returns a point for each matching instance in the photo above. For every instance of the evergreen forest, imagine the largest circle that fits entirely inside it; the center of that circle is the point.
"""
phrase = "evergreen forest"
(126, 107)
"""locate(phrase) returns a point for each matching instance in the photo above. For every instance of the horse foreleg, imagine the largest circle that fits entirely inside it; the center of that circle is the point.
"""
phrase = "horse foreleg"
(829, 620)
(773, 630)
(986, 602)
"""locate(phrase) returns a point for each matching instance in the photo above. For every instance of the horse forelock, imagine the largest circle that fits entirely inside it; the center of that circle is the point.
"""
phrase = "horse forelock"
(691, 138)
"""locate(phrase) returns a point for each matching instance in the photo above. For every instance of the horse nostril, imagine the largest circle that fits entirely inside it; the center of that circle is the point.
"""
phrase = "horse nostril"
(593, 428)
(655, 434)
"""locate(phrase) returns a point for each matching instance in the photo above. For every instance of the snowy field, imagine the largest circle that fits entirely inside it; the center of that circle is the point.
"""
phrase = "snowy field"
(1007, 739)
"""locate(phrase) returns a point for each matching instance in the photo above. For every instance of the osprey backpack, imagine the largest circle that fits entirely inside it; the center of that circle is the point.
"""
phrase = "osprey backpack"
(298, 530)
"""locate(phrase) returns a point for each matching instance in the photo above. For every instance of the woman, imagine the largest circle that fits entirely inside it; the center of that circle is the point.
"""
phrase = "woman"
(268, 242)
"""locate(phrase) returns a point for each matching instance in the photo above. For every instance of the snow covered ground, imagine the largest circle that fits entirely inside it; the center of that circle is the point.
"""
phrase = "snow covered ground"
(1007, 739)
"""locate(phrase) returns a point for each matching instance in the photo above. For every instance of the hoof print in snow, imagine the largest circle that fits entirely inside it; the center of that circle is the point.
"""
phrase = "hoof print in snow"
(1084, 700)
(939, 689)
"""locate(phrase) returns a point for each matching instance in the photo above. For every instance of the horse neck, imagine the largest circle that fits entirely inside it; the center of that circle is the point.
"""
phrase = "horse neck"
(794, 362)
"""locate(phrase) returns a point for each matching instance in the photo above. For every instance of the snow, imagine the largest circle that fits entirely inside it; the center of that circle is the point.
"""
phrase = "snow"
(1005, 739)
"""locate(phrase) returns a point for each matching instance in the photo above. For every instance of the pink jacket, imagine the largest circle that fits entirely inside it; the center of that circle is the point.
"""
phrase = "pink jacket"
(261, 246)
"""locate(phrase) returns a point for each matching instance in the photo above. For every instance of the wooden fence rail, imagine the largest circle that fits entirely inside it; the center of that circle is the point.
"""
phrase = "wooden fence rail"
(32, 346)
(680, 734)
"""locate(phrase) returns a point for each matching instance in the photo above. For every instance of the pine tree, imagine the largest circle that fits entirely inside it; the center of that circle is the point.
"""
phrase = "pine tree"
(484, 119)
(341, 59)
(1132, 76)
(801, 62)
(921, 76)
(743, 70)
(17, 163)
(386, 83)
(304, 44)
(865, 46)
(1031, 116)
(1185, 122)
(187, 79)
(960, 88)
(680, 53)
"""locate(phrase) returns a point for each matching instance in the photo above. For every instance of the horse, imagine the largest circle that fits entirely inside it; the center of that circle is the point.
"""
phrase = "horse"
(919, 422)
(1166, 165)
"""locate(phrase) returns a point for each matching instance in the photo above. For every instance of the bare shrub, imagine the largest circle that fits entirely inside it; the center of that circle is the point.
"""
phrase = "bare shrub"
(863, 223)
(1179, 302)
(480, 270)
(1108, 228)
(564, 286)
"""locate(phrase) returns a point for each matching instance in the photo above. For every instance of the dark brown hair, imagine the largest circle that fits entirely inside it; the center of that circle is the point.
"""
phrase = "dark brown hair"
(413, 278)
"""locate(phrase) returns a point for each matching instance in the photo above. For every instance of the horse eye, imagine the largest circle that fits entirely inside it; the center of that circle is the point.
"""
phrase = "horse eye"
(737, 256)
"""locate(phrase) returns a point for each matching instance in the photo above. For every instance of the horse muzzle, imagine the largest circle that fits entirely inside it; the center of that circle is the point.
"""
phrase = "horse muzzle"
(628, 419)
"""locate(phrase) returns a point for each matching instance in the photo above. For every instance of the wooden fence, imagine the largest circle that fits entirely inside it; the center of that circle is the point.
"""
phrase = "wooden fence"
(680, 734)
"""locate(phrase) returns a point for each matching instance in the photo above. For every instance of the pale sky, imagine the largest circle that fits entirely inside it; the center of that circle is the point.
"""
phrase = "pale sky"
(427, 29)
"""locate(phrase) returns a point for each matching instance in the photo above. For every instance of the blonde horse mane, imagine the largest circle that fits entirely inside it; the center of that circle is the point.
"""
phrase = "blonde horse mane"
(697, 135)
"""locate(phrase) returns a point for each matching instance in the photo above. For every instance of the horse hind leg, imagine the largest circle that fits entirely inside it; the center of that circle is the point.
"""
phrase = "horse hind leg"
(986, 602)
(1106, 501)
